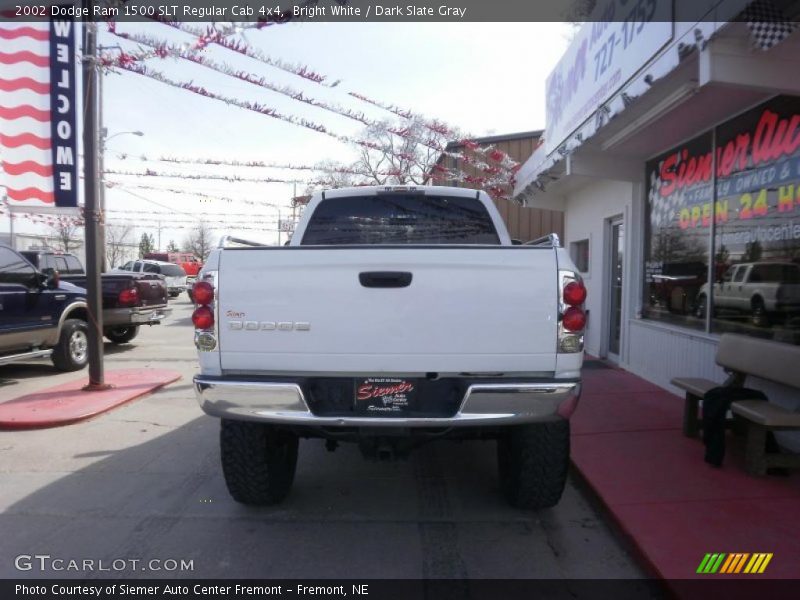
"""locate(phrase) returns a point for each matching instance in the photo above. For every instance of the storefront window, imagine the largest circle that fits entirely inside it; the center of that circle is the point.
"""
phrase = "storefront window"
(677, 241)
(758, 185)
(756, 218)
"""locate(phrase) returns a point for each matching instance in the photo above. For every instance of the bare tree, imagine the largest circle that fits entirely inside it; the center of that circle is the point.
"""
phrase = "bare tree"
(402, 158)
(65, 232)
(199, 240)
(117, 237)
(402, 153)
(335, 175)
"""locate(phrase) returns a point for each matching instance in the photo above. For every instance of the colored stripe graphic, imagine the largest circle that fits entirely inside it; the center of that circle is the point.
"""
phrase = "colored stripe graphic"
(727, 564)
(26, 110)
(764, 564)
(734, 563)
(734, 560)
(717, 563)
(711, 563)
(28, 166)
(24, 83)
(15, 141)
(30, 194)
(703, 563)
(12, 34)
(741, 562)
(754, 563)
(24, 56)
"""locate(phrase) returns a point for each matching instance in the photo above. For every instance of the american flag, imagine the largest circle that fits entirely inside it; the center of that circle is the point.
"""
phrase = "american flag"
(25, 144)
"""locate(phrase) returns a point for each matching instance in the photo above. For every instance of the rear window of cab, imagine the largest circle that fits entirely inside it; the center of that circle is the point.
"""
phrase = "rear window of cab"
(400, 219)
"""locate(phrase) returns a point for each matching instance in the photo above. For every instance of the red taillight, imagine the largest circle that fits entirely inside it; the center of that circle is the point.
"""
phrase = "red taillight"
(203, 293)
(574, 319)
(129, 297)
(574, 293)
(203, 318)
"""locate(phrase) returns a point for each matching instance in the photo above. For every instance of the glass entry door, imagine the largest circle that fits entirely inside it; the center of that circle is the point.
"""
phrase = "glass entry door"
(617, 231)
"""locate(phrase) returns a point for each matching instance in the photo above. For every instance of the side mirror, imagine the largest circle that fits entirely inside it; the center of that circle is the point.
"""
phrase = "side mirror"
(49, 279)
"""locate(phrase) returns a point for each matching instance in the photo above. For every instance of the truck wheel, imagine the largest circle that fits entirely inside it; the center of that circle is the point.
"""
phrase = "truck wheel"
(759, 316)
(533, 462)
(700, 307)
(191, 297)
(122, 335)
(72, 351)
(258, 461)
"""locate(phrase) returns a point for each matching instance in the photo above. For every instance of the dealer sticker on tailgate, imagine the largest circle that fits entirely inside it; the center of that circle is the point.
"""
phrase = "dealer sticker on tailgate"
(385, 396)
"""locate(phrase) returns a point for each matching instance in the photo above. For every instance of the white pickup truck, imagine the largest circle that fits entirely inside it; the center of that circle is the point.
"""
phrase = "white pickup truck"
(394, 316)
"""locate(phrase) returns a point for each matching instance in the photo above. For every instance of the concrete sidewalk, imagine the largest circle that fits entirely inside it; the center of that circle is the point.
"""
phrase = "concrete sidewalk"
(67, 403)
(627, 444)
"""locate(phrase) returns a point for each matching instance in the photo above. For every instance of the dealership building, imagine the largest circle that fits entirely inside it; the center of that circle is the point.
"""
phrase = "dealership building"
(675, 156)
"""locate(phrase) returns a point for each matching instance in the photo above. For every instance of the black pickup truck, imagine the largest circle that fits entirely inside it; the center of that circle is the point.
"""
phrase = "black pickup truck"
(129, 299)
(40, 316)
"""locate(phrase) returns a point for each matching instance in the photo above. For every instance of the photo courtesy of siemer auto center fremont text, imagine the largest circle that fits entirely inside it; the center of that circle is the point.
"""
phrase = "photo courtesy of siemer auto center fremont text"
(455, 299)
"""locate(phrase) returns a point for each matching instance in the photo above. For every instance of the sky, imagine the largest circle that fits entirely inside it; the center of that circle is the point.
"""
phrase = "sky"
(484, 78)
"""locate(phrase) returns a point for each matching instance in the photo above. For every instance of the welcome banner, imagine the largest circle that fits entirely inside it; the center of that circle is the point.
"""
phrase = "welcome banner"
(38, 129)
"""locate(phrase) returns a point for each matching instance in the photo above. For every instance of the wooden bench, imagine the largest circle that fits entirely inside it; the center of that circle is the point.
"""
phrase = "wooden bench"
(742, 356)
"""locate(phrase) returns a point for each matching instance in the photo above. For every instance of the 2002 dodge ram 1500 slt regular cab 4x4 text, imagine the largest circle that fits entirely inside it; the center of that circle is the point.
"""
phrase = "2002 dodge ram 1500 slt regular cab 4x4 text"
(394, 316)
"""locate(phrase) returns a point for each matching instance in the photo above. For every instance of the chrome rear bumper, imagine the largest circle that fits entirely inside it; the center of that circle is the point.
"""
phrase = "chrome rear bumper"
(139, 315)
(483, 404)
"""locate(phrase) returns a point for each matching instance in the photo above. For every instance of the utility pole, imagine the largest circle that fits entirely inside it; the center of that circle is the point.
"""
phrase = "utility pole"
(101, 234)
(92, 216)
(294, 206)
(10, 223)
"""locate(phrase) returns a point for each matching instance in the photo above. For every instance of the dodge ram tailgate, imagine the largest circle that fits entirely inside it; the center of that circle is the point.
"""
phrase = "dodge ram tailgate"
(418, 309)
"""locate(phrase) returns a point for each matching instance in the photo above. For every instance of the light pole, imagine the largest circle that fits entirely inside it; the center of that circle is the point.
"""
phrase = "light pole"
(92, 220)
(104, 137)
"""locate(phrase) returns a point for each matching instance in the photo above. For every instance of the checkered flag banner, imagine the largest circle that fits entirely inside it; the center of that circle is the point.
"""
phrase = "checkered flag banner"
(663, 211)
(768, 27)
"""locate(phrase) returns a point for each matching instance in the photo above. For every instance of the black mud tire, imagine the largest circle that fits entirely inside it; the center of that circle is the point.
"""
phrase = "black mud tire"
(72, 351)
(258, 461)
(122, 334)
(533, 461)
(191, 296)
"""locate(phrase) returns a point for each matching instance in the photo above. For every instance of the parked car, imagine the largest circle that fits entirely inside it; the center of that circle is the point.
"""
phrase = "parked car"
(130, 300)
(185, 260)
(396, 315)
(174, 276)
(676, 286)
(40, 316)
(763, 290)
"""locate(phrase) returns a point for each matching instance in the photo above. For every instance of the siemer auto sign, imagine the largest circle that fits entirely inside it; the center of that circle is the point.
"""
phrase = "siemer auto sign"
(621, 38)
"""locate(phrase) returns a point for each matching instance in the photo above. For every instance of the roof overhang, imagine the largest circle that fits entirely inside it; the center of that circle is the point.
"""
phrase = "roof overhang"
(680, 95)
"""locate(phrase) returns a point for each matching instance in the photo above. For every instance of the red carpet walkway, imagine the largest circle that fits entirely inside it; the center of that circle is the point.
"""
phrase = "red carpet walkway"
(627, 443)
(67, 403)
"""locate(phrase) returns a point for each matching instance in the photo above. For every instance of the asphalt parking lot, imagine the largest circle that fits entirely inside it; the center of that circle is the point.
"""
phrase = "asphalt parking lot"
(143, 482)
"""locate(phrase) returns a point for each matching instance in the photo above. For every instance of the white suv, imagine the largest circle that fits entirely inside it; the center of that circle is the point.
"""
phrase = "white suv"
(174, 275)
(760, 289)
